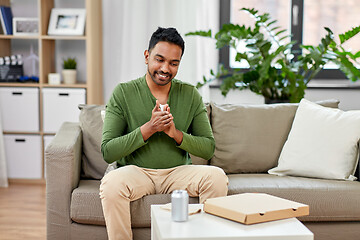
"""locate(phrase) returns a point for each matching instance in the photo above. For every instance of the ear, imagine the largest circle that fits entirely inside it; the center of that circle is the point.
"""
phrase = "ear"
(146, 55)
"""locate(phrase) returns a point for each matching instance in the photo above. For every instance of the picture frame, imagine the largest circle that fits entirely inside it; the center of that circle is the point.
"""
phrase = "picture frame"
(67, 21)
(25, 26)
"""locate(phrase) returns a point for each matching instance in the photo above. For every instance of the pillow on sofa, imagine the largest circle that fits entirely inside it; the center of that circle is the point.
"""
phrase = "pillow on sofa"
(322, 143)
(93, 164)
(249, 138)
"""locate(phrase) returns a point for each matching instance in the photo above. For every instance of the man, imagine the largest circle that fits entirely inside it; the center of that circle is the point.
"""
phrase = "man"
(151, 124)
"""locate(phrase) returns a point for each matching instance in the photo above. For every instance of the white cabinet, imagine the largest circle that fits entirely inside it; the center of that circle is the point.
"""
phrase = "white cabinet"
(61, 105)
(19, 109)
(23, 156)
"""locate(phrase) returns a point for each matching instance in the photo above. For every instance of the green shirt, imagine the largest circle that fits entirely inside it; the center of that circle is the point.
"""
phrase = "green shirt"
(131, 105)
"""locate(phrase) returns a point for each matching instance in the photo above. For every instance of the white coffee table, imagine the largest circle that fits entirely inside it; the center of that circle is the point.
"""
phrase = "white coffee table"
(207, 226)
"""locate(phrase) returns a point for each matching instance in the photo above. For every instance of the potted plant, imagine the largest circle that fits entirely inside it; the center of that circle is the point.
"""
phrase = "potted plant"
(274, 71)
(69, 70)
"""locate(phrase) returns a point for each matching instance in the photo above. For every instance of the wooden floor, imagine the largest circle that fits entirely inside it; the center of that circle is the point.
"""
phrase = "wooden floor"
(22, 212)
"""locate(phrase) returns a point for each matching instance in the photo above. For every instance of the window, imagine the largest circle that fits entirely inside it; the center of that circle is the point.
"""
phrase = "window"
(278, 10)
(305, 19)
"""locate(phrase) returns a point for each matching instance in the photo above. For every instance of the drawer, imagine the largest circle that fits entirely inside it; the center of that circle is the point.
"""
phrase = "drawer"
(19, 109)
(61, 105)
(23, 156)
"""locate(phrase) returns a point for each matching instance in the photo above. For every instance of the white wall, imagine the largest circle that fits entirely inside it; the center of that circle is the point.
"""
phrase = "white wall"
(127, 28)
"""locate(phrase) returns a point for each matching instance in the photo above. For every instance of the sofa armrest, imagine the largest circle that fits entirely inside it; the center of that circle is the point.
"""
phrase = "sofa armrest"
(63, 164)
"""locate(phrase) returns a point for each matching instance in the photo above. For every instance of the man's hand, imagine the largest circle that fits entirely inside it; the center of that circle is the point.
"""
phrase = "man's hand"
(171, 131)
(160, 121)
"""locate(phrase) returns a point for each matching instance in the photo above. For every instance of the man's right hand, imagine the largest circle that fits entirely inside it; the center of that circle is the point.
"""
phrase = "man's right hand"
(160, 120)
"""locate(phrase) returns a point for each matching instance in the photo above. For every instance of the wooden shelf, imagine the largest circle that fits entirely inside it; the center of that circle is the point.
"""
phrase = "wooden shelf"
(18, 84)
(77, 85)
(48, 50)
(23, 133)
(47, 37)
(19, 37)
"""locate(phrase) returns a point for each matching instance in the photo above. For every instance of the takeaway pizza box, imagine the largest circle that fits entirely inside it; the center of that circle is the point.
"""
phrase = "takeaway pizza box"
(249, 208)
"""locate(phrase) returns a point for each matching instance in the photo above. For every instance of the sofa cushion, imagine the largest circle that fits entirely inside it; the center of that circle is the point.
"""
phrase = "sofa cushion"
(329, 200)
(93, 164)
(86, 205)
(249, 138)
(321, 137)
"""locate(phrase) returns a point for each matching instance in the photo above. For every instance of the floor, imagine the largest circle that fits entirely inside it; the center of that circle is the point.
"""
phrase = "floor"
(22, 212)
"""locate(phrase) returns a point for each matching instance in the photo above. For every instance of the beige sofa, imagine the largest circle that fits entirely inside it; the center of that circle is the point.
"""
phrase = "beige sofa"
(249, 140)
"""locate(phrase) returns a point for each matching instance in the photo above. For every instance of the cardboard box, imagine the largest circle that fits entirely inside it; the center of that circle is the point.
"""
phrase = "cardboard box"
(249, 208)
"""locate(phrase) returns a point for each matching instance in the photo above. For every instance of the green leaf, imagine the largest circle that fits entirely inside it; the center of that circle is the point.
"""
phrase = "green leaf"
(273, 29)
(270, 23)
(230, 83)
(240, 56)
(280, 32)
(357, 55)
(349, 34)
(349, 69)
(199, 33)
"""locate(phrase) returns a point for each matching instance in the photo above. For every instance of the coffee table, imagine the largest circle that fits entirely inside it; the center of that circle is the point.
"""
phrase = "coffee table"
(207, 226)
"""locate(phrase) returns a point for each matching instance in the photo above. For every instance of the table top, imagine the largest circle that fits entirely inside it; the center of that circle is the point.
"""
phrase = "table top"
(207, 226)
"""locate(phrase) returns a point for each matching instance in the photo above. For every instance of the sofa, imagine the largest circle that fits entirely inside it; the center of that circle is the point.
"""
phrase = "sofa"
(249, 140)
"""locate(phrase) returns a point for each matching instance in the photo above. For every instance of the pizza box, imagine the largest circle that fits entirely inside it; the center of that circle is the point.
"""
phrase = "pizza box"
(249, 208)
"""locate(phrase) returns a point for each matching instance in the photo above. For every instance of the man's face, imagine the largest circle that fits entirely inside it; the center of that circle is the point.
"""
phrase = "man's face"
(163, 62)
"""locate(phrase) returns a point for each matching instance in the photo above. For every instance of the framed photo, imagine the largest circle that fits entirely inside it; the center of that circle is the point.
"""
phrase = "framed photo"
(67, 21)
(25, 26)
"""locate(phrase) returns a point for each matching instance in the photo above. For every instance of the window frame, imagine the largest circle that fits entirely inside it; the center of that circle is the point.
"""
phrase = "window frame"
(296, 32)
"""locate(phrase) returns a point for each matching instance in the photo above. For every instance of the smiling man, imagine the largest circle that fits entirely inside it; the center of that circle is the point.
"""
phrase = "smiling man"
(151, 144)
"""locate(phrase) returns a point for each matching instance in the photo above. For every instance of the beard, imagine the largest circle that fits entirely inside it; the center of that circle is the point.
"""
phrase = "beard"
(158, 81)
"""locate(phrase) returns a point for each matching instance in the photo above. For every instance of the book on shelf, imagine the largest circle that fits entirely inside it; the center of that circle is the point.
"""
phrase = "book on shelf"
(1, 27)
(6, 20)
(2, 23)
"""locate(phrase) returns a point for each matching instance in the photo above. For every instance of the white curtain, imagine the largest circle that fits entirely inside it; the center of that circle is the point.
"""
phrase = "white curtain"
(3, 174)
(127, 28)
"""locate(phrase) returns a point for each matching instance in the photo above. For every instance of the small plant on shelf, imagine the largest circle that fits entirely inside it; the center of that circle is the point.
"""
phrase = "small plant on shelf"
(69, 70)
(69, 63)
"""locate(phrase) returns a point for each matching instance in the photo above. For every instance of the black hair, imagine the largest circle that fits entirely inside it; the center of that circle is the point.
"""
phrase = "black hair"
(170, 35)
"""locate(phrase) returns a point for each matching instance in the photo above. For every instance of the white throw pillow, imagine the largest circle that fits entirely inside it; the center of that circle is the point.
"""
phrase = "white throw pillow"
(322, 143)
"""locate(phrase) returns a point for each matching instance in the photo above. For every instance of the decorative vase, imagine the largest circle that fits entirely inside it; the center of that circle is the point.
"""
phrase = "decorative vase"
(69, 76)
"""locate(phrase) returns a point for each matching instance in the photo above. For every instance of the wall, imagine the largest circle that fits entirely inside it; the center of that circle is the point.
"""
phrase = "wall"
(128, 25)
(127, 28)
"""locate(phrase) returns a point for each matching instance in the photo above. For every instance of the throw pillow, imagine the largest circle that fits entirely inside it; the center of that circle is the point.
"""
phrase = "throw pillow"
(322, 143)
(93, 164)
(249, 138)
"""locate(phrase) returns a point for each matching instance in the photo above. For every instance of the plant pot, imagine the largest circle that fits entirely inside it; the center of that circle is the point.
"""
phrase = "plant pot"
(272, 101)
(69, 76)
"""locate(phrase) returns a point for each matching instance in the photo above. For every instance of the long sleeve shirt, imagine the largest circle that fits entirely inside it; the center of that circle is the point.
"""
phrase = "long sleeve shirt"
(131, 105)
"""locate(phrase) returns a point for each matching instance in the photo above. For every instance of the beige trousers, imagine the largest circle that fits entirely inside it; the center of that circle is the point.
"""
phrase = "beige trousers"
(129, 183)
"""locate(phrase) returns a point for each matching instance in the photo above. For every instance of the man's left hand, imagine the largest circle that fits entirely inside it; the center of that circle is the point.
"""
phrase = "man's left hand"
(172, 132)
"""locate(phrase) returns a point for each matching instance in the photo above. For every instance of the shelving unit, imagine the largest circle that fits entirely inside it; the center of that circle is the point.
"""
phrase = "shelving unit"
(47, 59)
